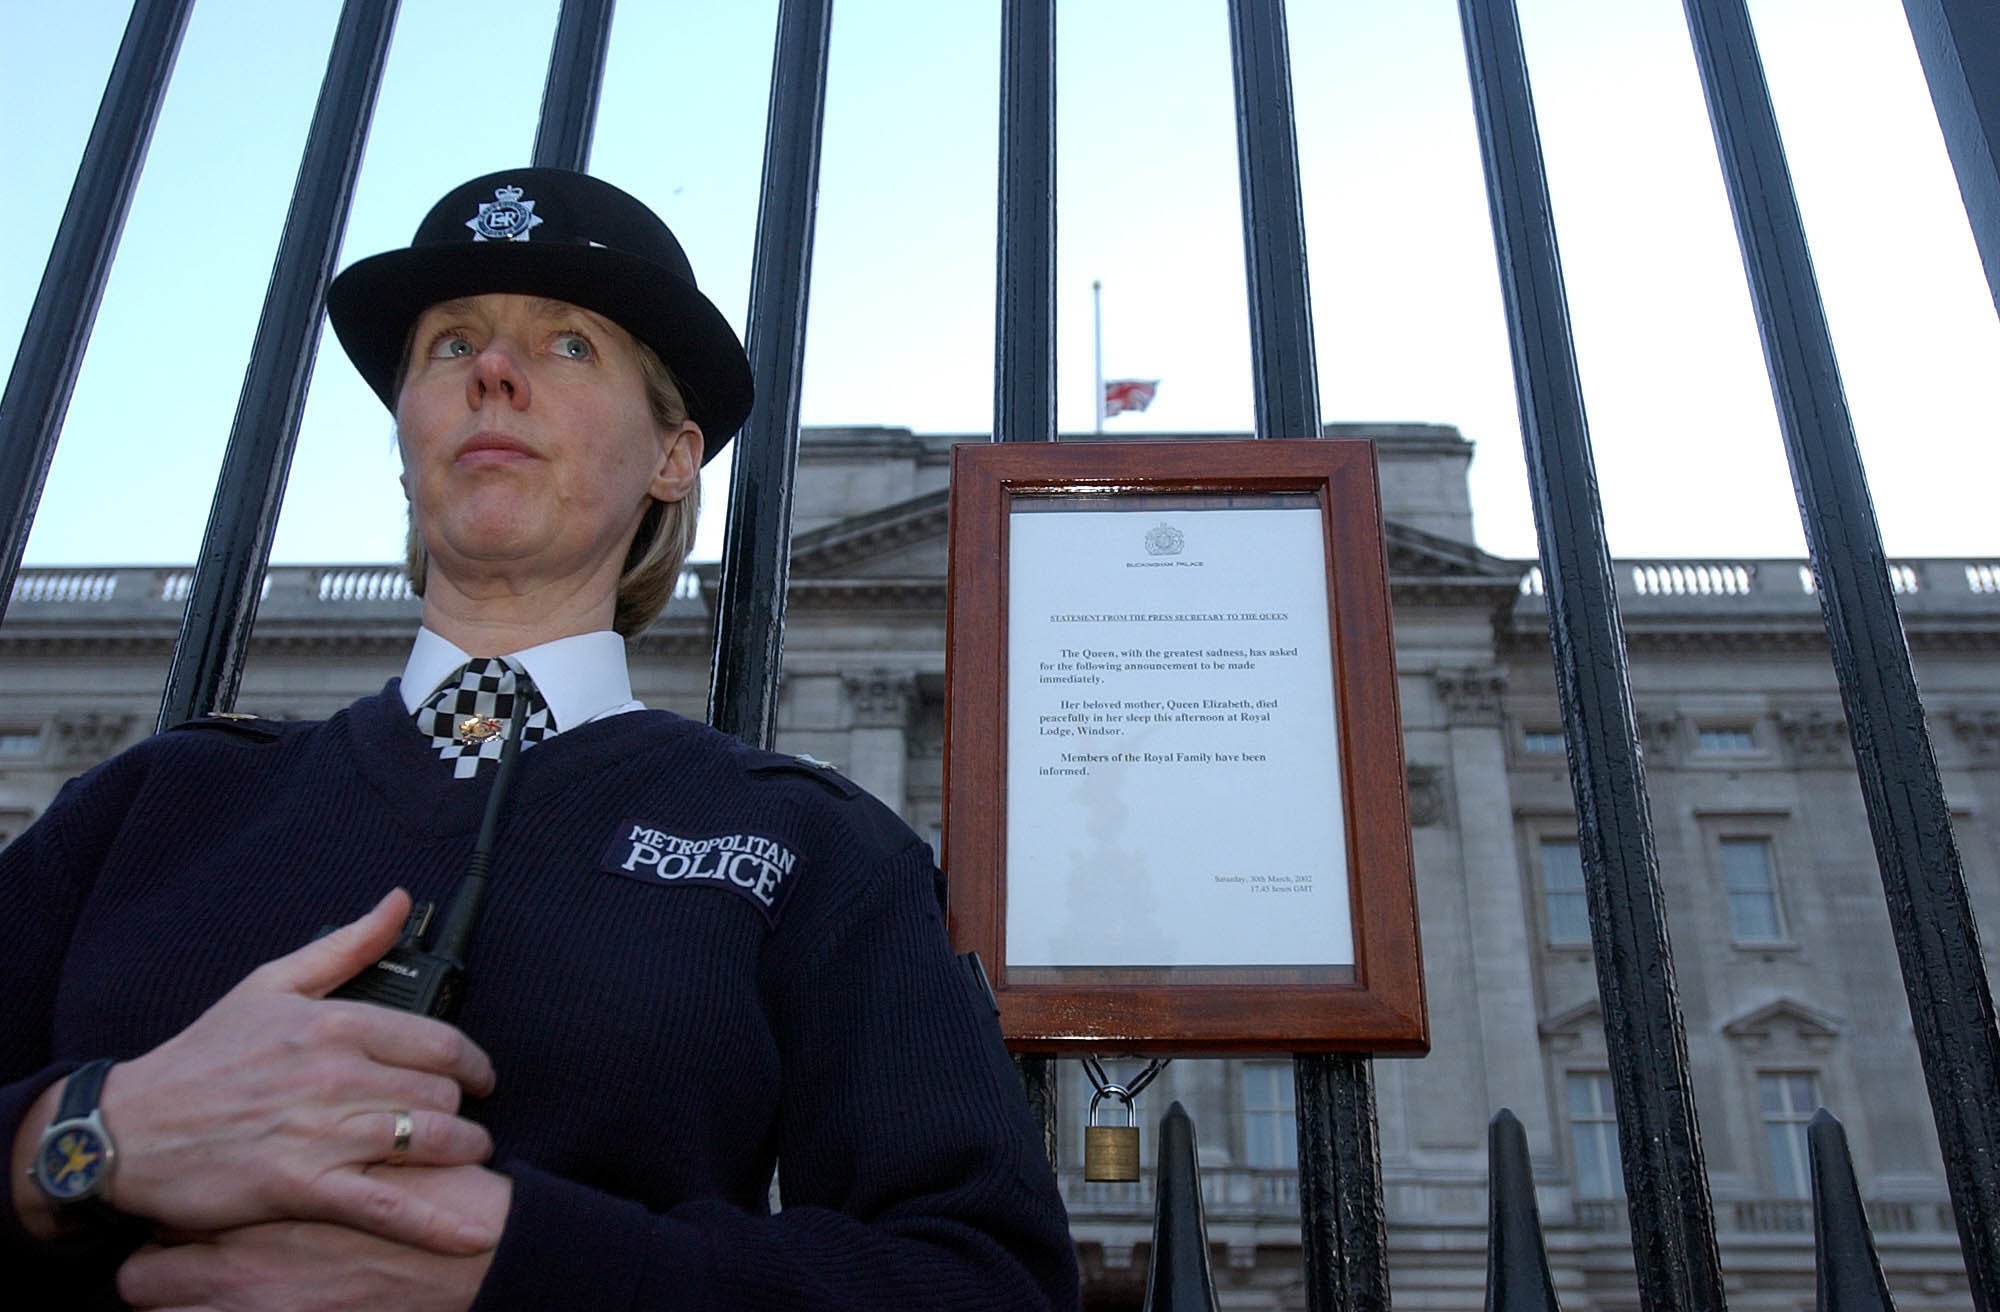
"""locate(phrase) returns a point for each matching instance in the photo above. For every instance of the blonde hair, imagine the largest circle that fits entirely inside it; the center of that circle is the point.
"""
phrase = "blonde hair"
(666, 531)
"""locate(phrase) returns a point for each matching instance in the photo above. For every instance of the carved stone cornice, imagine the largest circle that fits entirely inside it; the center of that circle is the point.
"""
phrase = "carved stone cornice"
(926, 736)
(882, 698)
(348, 643)
(86, 737)
(1484, 595)
(80, 644)
(1979, 731)
(1815, 737)
(1427, 803)
(1526, 634)
(1659, 735)
(159, 644)
(1940, 640)
(867, 594)
(1472, 697)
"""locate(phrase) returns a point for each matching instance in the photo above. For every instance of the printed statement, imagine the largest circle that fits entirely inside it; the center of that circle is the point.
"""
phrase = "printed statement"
(1173, 757)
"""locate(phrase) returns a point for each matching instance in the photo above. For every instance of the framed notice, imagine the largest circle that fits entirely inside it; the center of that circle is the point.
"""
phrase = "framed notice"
(1175, 811)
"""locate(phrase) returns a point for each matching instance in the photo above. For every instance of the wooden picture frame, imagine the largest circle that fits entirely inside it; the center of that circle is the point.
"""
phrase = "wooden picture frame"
(1225, 957)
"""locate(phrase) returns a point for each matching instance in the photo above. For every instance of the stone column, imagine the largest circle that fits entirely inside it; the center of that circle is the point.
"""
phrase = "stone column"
(1498, 915)
(880, 703)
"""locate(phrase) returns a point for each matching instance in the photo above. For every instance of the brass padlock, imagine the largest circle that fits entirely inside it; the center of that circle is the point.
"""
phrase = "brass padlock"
(1110, 1152)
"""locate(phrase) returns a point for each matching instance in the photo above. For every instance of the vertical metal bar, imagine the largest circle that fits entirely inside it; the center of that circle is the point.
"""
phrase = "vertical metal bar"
(1179, 1277)
(576, 78)
(1024, 385)
(1673, 1225)
(1284, 372)
(1038, 1081)
(1343, 1224)
(1024, 348)
(1959, 44)
(1517, 1263)
(1343, 1231)
(250, 489)
(756, 554)
(1850, 1275)
(1951, 1002)
(1097, 352)
(58, 329)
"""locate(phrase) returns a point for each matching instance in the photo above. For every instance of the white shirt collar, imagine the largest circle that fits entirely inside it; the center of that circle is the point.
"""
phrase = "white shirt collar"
(583, 678)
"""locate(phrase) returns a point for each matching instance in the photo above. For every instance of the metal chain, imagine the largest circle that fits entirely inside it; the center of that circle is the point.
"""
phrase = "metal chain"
(1104, 1085)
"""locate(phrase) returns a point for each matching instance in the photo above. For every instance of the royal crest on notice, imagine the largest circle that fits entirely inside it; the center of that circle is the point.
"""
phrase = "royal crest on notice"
(504, 218)
(1164, 540)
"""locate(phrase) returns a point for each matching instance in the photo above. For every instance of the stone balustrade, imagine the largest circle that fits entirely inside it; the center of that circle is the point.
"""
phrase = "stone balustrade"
(297, 589)
(1783, 1216)
(293, 592)
(1936, 583)
(1239, 1193)
(1228, 1193)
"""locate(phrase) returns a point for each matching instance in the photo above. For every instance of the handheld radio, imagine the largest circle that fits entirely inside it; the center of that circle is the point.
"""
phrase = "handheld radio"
(424, 974)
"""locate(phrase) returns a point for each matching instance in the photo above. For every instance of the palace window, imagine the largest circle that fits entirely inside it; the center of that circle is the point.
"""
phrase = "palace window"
(1749, 877)
(19, 742)
(1725, 741)
(1593, 1136)
(1542, 742)
(1562, 891)
(1270, 1124)
(1786, 1101)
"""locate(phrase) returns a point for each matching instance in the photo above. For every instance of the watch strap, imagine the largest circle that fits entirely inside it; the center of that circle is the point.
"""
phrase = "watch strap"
(85, 1087)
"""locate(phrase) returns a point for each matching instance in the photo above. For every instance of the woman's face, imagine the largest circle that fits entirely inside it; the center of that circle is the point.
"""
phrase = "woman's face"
(529, 449)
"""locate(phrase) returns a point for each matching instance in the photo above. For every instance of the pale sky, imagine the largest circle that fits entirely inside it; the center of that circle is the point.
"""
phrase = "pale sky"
(1405, 292)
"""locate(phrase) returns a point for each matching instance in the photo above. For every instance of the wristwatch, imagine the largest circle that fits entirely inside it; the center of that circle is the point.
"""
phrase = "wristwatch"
(73, 1164)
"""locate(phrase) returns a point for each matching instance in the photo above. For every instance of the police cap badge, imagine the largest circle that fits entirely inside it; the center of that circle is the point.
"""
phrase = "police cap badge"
(560, 234)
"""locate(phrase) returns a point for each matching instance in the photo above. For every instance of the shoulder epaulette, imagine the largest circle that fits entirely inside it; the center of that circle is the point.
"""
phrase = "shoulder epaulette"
(822, 773)
(254, 727)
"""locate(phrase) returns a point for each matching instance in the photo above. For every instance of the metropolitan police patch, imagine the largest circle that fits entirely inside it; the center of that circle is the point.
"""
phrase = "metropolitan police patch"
(749, 865)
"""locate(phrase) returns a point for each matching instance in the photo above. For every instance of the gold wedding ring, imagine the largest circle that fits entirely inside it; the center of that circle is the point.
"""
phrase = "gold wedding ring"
(400, 1148)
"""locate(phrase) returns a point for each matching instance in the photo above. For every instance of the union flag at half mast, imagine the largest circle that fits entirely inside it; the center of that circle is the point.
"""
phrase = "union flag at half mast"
(1122, 394)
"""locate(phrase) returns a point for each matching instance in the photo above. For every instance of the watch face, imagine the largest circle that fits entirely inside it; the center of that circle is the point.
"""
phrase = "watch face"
(73, 1161)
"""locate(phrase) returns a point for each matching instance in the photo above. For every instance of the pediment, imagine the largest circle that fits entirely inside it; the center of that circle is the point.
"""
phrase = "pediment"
(905, 540)
(908, 539)
(1784, 1016)
(1574, 1022)
(1417, 556)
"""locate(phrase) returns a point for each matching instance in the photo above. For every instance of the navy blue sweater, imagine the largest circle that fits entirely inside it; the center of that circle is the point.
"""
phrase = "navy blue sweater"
(695, 959)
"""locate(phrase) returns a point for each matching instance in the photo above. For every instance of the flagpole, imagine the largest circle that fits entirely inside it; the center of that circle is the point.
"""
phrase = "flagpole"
(1097, 344)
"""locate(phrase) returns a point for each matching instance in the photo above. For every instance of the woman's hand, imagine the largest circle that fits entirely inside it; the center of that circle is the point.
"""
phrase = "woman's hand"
(271, 1104)
(309, 1267)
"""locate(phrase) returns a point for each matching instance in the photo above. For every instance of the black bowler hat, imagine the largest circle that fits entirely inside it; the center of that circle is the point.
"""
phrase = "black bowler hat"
(554, 233)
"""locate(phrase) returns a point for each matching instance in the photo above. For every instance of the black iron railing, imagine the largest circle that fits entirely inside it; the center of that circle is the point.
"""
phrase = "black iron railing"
(1340, 1193)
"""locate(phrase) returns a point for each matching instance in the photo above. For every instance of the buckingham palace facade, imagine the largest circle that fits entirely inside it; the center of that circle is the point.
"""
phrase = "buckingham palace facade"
(1788, 975)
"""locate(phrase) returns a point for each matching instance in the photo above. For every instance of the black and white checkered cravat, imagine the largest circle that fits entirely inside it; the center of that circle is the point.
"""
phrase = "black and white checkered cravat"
(469, 716)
